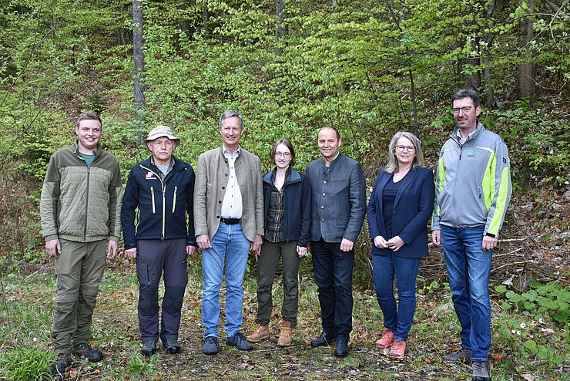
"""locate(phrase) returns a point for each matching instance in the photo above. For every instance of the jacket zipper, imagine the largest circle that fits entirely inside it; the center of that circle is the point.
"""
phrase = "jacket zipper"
(86, 204)
(152, 197)
(163, 199)
(174, 200)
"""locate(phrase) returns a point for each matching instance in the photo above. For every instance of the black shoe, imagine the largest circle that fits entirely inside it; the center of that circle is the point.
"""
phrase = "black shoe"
(480, 371)
(462, 355)
(85, 351)
(60, 365)
(210, 346)
(149, 346)
(170, 344)
(239, 341)
(321, 341)
(341, 349)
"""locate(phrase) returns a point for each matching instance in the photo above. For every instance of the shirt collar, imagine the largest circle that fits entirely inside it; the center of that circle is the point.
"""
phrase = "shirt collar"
(229, 154)
(170, 166)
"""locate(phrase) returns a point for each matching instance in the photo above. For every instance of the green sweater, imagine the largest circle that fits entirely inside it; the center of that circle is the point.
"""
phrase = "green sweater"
(81, 203)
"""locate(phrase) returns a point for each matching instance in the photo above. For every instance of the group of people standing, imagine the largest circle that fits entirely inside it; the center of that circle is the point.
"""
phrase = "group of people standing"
(226, 209)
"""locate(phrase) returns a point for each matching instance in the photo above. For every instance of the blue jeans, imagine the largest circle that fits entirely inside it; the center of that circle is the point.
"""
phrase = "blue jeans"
(228, 246)
(333, 275)
(468, 268)
(397, 317)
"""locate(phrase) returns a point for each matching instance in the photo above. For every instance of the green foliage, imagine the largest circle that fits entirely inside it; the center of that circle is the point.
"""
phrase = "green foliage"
(141, 367)
(26, 364)
(539, 142)
(550, 299)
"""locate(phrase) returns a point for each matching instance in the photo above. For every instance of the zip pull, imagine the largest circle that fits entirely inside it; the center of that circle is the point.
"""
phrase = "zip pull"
(152, 197)
(174, 199)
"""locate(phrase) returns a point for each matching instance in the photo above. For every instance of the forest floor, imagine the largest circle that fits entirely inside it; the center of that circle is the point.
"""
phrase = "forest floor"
(528, 344)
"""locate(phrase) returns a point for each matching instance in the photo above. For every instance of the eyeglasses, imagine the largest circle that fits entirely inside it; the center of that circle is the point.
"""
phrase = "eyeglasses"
(464, 110)
(405, 148)
(283, 154)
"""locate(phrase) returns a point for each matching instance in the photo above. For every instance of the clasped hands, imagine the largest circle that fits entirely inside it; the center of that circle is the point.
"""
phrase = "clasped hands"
(394, 243)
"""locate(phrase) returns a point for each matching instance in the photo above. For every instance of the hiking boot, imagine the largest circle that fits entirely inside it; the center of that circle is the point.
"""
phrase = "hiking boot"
(462, 355)
(260, 334)
(341, 348)
(210, 346)
(149, 346)
(321, 341)
(60, 365)
(480, 371)
(398, 350)
(239, 341)
(285, 335)
(85, 351)
(170, 344)
(386, 340)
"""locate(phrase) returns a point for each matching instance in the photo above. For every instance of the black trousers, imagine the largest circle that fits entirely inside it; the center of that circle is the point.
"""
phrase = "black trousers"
(333, 275)
(155, 257)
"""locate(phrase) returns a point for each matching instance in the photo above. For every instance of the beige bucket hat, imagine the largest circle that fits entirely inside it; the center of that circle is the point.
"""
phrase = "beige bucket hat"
(159, 132)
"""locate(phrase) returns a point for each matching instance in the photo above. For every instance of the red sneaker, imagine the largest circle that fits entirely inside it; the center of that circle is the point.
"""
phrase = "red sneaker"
(398, 350)
(386, 340)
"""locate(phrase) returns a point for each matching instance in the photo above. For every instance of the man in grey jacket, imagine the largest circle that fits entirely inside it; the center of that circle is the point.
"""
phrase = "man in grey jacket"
(228, 218)
(338, 208)
(472, 190)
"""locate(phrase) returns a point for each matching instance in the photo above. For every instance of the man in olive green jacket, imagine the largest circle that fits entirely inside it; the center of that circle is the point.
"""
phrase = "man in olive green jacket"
(79, 210)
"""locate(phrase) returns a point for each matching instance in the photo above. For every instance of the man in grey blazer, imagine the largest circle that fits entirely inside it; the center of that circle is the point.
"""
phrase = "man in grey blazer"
(338, 208)
(228, 219)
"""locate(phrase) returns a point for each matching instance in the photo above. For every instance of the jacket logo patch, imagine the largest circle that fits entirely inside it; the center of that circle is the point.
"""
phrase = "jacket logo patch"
(150, 176)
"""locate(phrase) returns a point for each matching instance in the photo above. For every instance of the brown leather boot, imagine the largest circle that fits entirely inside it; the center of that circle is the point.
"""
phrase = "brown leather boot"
(260, 334)
(286, 334)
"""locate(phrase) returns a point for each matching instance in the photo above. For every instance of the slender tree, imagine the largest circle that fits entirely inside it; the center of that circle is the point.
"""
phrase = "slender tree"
(138, 58)
(527, 87)
(279, 10)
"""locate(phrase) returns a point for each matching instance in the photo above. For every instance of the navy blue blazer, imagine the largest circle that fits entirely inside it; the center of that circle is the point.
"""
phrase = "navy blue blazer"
(412, 209)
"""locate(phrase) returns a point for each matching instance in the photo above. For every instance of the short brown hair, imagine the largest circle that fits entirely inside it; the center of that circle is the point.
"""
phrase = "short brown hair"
(287, 144)
(89, 115)
(336, 131)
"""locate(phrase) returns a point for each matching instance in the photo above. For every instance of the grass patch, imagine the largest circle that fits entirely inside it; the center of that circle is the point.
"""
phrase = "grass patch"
(26, 363)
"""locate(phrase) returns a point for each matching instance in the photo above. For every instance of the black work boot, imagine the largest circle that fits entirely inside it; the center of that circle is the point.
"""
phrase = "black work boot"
(85, 351)
(480, 371)
(170, 344)
(60, 365)
(149, 346)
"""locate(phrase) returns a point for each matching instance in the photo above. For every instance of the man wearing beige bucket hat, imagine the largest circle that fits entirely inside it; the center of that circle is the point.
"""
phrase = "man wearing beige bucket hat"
(161, 188)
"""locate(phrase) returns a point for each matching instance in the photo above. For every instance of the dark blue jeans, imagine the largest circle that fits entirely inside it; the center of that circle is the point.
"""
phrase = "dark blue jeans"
(397, 317)
(468, 268)
(333, 275)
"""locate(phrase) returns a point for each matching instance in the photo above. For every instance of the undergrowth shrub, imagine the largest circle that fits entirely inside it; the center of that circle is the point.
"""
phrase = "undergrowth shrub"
(26, 364)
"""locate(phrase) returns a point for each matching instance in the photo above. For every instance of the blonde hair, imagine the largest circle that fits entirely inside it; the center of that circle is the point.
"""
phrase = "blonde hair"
(392, 165)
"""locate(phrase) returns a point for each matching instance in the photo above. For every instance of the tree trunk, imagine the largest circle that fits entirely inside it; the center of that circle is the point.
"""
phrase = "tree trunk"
(414, 107)
(279, 10)
(138, 58)
(527, 87)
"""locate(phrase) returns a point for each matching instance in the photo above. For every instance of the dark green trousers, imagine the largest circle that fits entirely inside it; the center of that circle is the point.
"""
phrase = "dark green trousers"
(271, 254)
(79, 269)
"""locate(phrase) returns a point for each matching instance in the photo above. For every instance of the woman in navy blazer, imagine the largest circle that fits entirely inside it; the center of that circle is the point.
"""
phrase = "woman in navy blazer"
(399, 208)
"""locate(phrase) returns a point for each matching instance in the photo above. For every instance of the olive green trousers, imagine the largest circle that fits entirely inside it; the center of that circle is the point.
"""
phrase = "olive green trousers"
(79, 269)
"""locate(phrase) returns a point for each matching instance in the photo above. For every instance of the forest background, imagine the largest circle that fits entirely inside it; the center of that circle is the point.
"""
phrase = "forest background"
(369, 68)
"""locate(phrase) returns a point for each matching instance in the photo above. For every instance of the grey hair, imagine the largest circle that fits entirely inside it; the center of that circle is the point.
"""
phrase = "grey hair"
(230, 114)
(392, 165)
